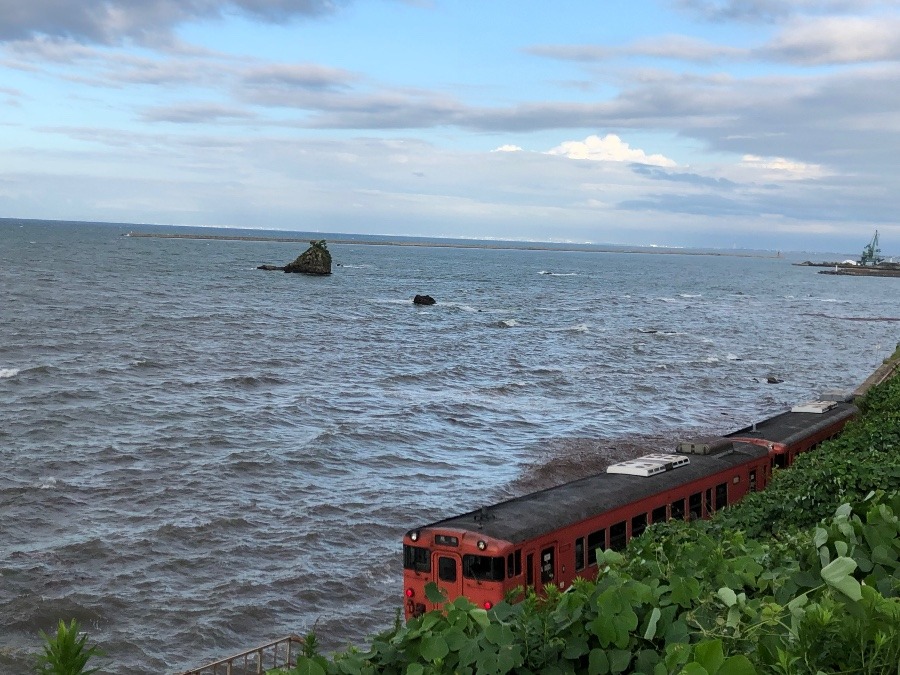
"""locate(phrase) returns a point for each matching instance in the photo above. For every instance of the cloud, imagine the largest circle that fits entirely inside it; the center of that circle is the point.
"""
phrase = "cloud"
(195, 113)
(769, 10)
(110, 21)
(676, 47)
(779, 168)
(833, 40)
(507, 148)
(610, 148)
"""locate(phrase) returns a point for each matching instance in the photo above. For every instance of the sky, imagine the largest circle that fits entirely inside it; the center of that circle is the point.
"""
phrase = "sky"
(767, 124)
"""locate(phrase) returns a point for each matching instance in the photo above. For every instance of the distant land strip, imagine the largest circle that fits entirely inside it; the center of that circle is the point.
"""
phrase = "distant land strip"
(524, 246)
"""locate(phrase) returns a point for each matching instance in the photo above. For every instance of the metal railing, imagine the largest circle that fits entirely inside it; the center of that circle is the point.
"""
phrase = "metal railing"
(281, 653)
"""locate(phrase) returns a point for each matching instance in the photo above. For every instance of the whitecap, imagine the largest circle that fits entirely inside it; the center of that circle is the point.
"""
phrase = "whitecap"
(47, 482)
(8, 372)
(506, 323)
(733, 357)
(690, 295)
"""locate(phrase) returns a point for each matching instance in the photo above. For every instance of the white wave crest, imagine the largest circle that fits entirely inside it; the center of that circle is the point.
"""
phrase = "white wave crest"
(47, 483)
(8, 372)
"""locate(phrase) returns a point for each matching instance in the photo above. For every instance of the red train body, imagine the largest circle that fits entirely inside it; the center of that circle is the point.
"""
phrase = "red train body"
(552, 536)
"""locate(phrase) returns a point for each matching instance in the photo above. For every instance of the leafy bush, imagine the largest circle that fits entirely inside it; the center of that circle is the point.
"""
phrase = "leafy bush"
(66, 652)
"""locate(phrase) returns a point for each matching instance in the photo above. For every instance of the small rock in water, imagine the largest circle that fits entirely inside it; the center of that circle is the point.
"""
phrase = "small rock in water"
(423, 300)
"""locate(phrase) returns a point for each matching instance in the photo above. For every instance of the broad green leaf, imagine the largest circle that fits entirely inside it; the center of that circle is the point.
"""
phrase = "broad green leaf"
(737, 665)
(710, 655)
(598, 662)
(414, 669)
(728, 596)
(694, 668)
(480, 616)
(650, 633)
(434, 594)
(306, 666)
(837, 575)
(434, 647)
(619, 660)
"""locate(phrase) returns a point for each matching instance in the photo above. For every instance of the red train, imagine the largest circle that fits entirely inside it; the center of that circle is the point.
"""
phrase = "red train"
(552, 536)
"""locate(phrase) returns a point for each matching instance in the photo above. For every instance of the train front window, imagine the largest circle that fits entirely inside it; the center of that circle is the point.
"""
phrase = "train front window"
(446, 569)
(417, 558)
(483, 567)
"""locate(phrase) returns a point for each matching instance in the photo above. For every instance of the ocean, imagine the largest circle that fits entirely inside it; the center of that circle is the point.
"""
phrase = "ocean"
(198, 456)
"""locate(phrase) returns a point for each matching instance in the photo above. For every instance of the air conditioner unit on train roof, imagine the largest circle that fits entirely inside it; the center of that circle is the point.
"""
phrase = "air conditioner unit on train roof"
(648, 465)
(817, 407)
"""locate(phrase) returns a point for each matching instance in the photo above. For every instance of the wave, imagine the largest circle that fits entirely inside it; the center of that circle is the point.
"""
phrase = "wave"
(8, 372)
(558, 274)
(253, 380)
(507, 323)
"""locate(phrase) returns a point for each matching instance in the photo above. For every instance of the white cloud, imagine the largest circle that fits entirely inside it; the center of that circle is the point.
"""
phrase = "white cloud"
(610, 148)
(507, 148)
(838, 40)
(783, 169)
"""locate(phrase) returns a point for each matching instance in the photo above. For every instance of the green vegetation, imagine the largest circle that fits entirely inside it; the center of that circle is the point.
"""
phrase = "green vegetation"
(66, 652)
(801, 578)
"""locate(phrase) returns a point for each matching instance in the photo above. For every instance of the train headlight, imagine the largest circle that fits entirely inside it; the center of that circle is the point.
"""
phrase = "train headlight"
(482, 544)
(414, 535)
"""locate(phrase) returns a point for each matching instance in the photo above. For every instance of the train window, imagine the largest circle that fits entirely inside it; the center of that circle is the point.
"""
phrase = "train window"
(753, 481)
(638, 524)
(483, 567)
(579, 554)
(659, 514)
(695, 505)
(780, 460)
(678, 510)
(709, 501)
(446, 569)
(618, 536)
(721, 496)
(417, 558)
(529, 570)
(596, 540)
(514, 564)
(547, 565)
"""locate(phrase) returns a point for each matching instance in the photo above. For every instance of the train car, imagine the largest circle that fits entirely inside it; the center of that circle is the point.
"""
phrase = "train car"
(800, 429)
(552, 536)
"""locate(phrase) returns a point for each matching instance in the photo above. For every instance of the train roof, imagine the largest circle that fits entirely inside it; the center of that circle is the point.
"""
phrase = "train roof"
(523, 518)
(790, 427)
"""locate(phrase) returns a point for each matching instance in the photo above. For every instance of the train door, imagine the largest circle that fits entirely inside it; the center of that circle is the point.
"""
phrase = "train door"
(448, 573)
(529, 569)
(546, 568)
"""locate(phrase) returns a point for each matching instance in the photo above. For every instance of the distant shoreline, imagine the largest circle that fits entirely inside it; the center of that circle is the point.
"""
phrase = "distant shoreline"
(588, 248)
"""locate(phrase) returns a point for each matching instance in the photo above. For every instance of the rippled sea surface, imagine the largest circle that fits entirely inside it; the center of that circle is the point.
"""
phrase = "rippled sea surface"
(198, 456)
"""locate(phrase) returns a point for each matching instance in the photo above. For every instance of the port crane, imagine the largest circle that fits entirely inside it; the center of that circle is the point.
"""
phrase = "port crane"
(871, 254)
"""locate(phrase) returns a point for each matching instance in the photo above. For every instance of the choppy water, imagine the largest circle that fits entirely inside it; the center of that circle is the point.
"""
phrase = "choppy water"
(198, 456)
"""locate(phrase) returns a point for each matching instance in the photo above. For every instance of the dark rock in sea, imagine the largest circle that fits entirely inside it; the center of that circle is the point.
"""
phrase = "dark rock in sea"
(315, 260)
(771, 379)
(423, 300)
(270, 268)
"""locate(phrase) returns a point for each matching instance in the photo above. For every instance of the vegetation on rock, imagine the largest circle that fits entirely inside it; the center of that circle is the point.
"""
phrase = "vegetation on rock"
(315, 260)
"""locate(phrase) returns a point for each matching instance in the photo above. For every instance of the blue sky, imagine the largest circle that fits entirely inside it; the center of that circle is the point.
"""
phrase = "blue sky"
(726, 123)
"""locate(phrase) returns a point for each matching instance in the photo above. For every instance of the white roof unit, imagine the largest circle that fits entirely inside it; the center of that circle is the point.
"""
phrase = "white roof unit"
(648, 465)
(817, 407)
